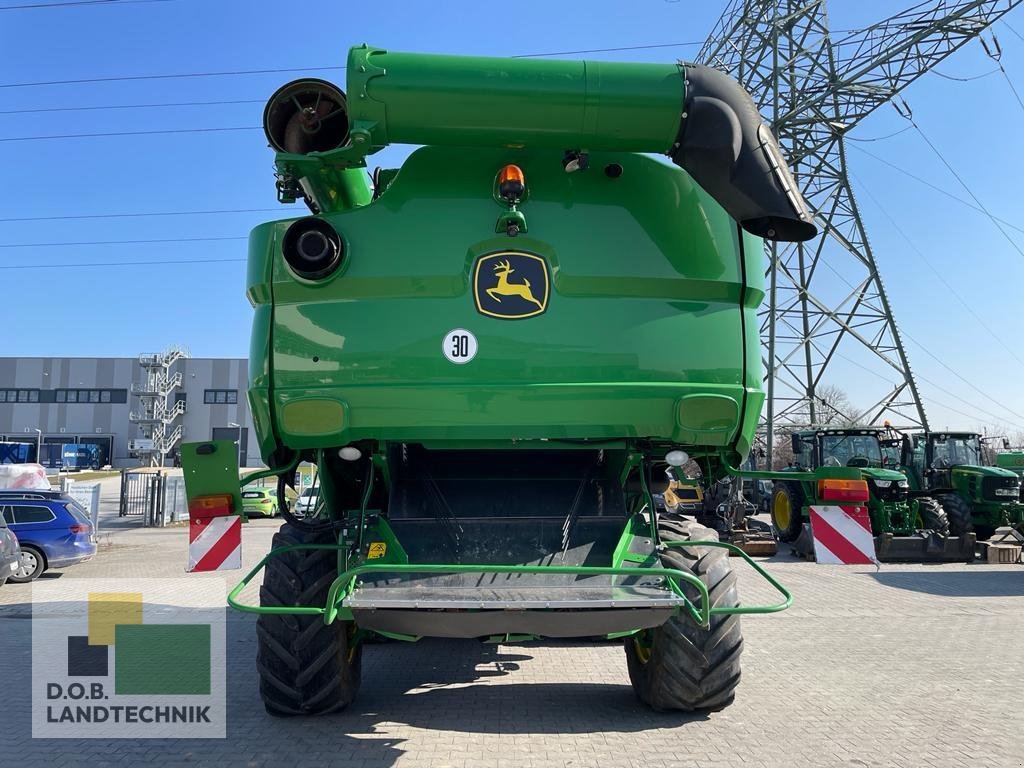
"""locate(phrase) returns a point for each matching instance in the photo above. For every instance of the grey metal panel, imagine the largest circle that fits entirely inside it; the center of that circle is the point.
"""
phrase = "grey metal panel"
(468, 624)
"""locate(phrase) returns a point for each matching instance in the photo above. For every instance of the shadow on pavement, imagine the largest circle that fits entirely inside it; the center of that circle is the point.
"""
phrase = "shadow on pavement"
(979, 582)
(461, 686)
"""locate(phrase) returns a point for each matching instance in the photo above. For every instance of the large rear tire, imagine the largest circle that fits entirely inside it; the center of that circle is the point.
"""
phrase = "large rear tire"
(933, 516)
(958, 512)
(306, 667)
(787, 510)
(679, 665)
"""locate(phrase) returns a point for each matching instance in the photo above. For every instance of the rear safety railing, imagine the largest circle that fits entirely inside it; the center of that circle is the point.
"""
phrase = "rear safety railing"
(345, 584)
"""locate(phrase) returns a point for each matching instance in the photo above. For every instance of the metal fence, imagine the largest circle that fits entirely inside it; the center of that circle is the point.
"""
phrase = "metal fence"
(154, 497)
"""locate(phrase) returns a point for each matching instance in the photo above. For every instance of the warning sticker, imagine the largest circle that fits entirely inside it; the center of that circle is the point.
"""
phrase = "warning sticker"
(377, 550)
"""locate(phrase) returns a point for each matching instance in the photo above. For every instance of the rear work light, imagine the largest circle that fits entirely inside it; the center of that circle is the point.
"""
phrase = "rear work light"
(843, 490)
(216, 505)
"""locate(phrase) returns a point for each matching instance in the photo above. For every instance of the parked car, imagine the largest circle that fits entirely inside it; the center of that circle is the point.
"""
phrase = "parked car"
(260, 501)
(31, 493)
(53, 530)
(10, 552)
(305, 502)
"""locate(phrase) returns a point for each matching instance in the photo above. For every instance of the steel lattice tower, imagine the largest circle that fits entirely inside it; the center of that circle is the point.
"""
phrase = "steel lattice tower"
(826, 300)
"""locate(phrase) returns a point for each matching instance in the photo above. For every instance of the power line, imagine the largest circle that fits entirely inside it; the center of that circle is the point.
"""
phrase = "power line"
(936, 187)
(910, 117)
(77, 2)
(995, 52)
(965, 79)
(1015, 32)
(132, 133)
(1009, 82)
(880, 138)
(119, 263)
(137, 215)
(121, 78)
(928, 352)
(928, 263)
(130, 106)
(606, 50)
(125, 242)
(999, 420)
(232, 73)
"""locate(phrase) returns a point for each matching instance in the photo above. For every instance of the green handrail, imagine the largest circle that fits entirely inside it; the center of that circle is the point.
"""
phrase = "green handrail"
(733, 549)
(290, 467)
(345, 583)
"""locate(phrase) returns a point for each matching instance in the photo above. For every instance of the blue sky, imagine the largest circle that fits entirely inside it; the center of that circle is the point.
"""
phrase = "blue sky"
(124, 310)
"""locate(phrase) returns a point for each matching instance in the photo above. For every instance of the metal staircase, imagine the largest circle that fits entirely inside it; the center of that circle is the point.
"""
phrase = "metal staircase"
(157, 409)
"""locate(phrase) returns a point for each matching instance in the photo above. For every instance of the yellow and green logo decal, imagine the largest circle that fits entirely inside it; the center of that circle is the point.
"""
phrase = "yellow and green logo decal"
(511, 285)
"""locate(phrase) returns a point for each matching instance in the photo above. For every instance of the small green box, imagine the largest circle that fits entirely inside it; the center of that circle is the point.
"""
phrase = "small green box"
(162, 659)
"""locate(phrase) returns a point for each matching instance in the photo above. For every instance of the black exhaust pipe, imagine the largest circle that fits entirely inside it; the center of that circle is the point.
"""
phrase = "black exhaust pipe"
(731, 152)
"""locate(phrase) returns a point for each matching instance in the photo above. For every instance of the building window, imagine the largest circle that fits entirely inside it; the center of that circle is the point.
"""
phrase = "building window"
(90, 396)
(220, 396)
(19, 395)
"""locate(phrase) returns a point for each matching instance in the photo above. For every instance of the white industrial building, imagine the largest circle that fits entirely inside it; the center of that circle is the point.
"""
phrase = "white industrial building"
(138, 409)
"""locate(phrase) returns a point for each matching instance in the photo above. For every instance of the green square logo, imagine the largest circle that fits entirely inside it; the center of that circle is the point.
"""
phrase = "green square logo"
(162, 659)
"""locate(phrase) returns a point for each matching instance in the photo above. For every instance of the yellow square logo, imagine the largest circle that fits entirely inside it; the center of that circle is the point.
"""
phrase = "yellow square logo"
(511, 285)
(107, 610)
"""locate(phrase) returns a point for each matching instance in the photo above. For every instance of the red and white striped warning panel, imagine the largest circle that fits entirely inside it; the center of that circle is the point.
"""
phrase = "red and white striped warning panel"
(842, 535)
(215, 543)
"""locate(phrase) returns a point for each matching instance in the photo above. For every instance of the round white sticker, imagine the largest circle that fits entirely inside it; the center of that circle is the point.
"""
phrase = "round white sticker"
(459, 346)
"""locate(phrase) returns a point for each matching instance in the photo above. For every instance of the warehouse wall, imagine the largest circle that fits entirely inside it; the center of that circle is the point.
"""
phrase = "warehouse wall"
(64, 420)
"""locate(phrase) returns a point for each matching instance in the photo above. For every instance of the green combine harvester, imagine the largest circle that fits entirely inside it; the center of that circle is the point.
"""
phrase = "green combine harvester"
(950, 466)
(905, 527)
(472, 350)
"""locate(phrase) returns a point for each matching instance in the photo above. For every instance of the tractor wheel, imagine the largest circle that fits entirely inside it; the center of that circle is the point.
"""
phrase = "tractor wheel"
(958, 512)
(679, 665)
(933, 516)
(787, 511)
(305, 666)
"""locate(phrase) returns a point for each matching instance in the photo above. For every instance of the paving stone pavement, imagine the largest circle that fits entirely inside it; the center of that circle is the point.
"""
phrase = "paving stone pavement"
(912, 665)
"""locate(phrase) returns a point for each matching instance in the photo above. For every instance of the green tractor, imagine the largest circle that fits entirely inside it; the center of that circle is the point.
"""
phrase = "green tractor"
(950, 466)
(472, 351)
(1013, 460)
(905, 527)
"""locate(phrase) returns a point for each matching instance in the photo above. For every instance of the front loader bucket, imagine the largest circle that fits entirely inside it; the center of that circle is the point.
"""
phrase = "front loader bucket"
(926, 546)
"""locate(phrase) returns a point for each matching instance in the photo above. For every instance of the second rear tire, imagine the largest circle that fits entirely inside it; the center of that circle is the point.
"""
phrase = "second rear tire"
(787, 511)
(959, 513)
(933, 516)
(679, 665)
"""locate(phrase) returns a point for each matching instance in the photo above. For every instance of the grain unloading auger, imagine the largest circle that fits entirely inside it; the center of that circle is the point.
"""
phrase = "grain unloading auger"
(472, 349)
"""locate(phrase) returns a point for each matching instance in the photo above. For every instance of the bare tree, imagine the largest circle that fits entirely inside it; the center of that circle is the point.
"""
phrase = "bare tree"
(834, 407)
(782, 452)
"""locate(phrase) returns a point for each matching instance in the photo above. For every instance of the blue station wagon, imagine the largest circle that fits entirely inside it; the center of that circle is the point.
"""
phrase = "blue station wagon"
(54, 532)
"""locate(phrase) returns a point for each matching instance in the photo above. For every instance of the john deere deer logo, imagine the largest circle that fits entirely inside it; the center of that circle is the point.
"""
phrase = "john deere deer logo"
(499, 294)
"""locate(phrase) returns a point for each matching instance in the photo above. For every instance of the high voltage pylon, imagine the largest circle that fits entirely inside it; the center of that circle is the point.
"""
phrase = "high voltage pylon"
(827, 306)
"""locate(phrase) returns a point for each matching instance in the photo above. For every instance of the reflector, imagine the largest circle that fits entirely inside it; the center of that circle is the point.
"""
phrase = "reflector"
(843, 490)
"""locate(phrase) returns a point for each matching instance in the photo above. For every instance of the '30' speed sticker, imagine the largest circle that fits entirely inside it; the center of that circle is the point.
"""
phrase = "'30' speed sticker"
(459, 346)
